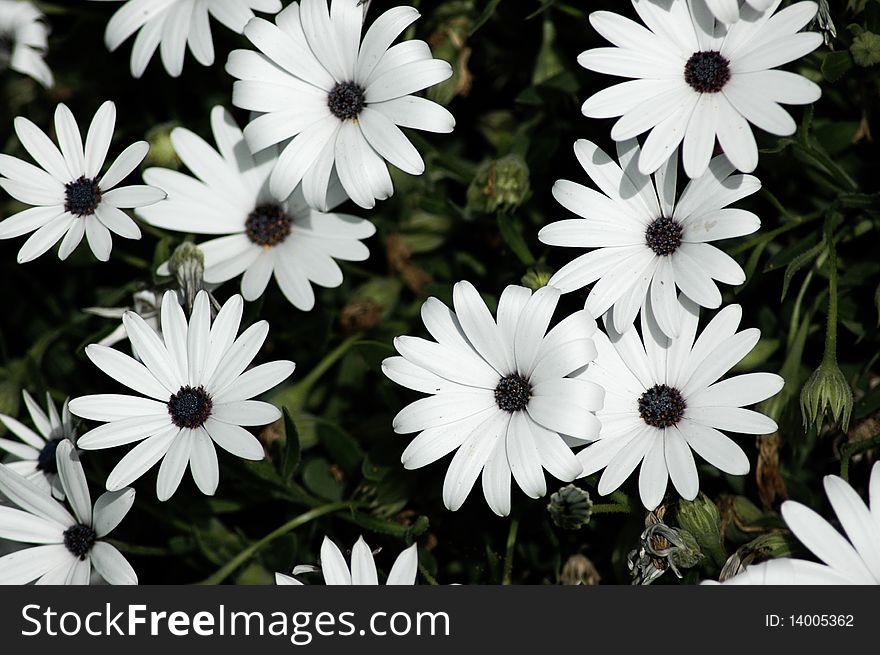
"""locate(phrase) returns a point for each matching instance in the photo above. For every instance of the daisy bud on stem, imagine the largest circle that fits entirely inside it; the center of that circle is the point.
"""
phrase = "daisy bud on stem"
(701, 518)
(570, 508)
(827, 389)
(187, 265)
(501, 185)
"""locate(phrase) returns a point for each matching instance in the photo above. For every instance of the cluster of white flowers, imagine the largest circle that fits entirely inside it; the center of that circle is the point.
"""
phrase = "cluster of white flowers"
(513, 394)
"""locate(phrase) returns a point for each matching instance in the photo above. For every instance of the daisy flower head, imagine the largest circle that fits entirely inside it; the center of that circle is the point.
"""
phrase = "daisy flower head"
(263, 234)
(663, 400)
(363, 567)
(71, 196)
(68, 545)
(35, 453)
(647, 239)
(850, 560)
(197, 395)
(24, 40)
(500, 395)
(694, 80)
(335, 101)
(730, 11)
(172, 25)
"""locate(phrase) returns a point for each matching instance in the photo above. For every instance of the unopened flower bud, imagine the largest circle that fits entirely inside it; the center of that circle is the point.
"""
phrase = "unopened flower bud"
(501, 185)
(767, 546)
(162, 151)
(570, 508)
(187, 265)
(537, 277)
(826, 392)
(865, 48)
(700, 517)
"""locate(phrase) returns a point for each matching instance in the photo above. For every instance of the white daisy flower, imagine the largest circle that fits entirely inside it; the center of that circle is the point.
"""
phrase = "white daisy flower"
(663, 399)
(24, 40)
(499, 393)
(647, 240)
(693, 81)
(35, 453)
(263, 235)
(70, 544)
(198, 395)
(363, 567)
(850, 560)
(71, 196)
(730, 11)
(338, 100)
(171, 25)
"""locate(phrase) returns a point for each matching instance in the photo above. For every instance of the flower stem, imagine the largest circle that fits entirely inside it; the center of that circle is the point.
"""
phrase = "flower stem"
(293, 524)
(611, 508)
(830, 356)
(508, 556)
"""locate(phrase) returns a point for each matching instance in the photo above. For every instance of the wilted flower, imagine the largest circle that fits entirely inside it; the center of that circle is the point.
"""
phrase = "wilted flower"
(827, 391)
(661, 548)
(579, 570)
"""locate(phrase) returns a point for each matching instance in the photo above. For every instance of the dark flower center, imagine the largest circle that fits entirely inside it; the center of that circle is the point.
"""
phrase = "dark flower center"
(190, 407)
(346, 100)
(82, 197)
(46, 461)
(513, 393)
(661, 406)
(707, 72)
(79, 540)
(267, 225)
(663, 236)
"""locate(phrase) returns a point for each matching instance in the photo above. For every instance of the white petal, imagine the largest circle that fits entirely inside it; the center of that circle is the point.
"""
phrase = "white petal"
(73, 479)
(112, 566)
(363, 567)
(333, 564)
(235, 439)
(113, 407)
(405, 568)
(141, 459)
(110, 509)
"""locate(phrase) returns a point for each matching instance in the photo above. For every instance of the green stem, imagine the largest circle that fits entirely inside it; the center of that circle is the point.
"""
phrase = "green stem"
(134, 549)
(430, 579)
(301, 389)
(611, 508)
(230, 567)
(508, 555)
(830, 356)
(853, 448)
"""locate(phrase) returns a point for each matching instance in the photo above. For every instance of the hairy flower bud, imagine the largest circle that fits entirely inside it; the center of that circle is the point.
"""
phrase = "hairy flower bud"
(700, 517)
(570, 508)
(500, 185)
(826, 392)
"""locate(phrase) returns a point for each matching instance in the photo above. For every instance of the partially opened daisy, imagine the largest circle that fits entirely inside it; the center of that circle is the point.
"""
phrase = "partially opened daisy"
(853, 559)
(24, 40)
(172, 25)
(72, 197)
(663, 400)
(263, 234)
(693, 82)
(35, 453)
(334, 101)
(363, 567)
(647, 240)
(68, 545)
(198, 395)
(730, 11)
(500, 395)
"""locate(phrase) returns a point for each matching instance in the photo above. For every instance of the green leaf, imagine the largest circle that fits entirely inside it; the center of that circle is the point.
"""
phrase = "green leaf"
(798, 263)
(292, 452)
(511, 232)
(343, 449)
(836, 64)
(318, 478)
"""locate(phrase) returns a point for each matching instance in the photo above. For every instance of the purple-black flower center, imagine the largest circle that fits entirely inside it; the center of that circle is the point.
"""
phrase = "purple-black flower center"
(46, 460)
(82, 196)
(346, 100)
(661, 406)
(268, 225)
(663, 236)
(513, 393)
(190, 407)
(707, 71)
(79, 540)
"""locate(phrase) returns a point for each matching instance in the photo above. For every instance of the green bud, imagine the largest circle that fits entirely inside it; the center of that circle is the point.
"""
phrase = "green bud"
(700, 517)
(865, 48)
(742, 519)
(687, 554)
(537, 277)
(500, 185)
(570, 508)
(187, 265)
(826, 392)
(768, 546)
(162, 151)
